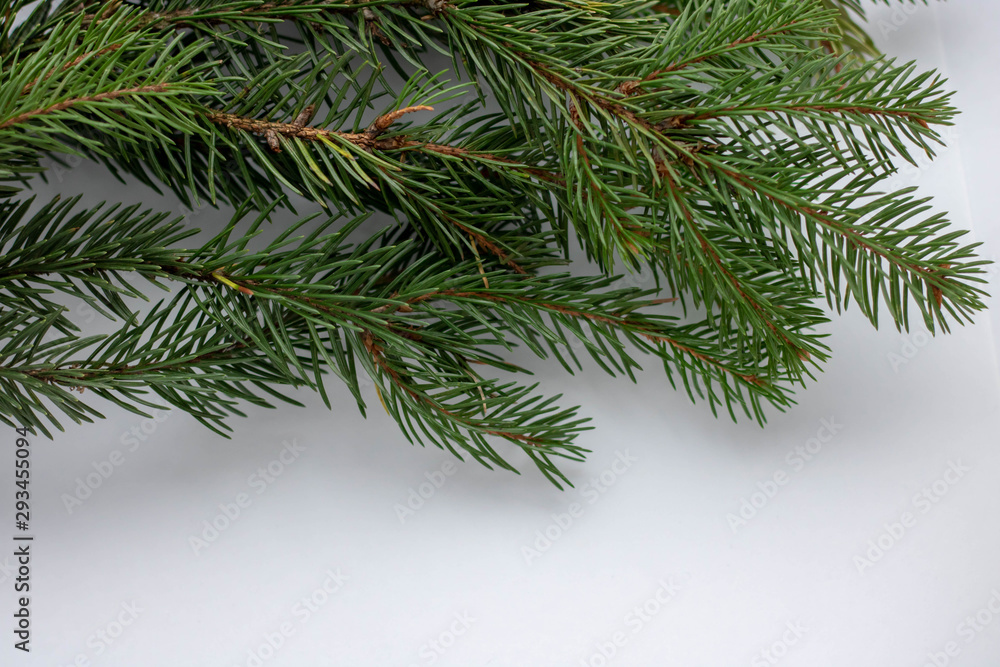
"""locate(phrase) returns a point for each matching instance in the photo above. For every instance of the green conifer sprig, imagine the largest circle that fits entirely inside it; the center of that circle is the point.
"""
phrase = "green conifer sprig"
(736, 148)
(307, 304)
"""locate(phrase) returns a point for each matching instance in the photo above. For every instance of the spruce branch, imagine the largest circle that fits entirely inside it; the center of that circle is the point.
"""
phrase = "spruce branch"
(736, 148)
(306, 305)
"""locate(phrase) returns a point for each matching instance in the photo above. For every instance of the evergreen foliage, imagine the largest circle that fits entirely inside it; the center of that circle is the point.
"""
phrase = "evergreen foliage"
(735, 148)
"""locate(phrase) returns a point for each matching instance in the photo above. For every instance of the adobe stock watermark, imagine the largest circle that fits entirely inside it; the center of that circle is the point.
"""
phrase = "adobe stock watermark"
(909, 174)
(632, 278)
(795, 461)
(909, 348)
(922, 503)
(900, 16)
(107, 635)
(7, 569)
(258, 481)
(83, 313)
(966, 632)
(635, 621)
(774, 653)
(432, 650)
(58, 173)
(590, 492)
(102, 471)
(911, 345)
(418, 497)
(302, 611)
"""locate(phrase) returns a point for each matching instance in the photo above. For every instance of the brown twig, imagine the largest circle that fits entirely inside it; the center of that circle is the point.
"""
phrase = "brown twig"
(66, 104)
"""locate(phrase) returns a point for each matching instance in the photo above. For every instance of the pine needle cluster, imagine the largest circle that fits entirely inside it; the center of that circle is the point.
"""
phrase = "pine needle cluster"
(734, 148)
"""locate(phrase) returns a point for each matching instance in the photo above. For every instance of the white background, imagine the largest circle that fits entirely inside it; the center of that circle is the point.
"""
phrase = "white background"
(663, 519)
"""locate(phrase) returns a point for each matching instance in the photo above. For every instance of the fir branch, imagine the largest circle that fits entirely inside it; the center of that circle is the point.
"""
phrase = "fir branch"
(369, 139)
(83, 101)
(735, 147)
